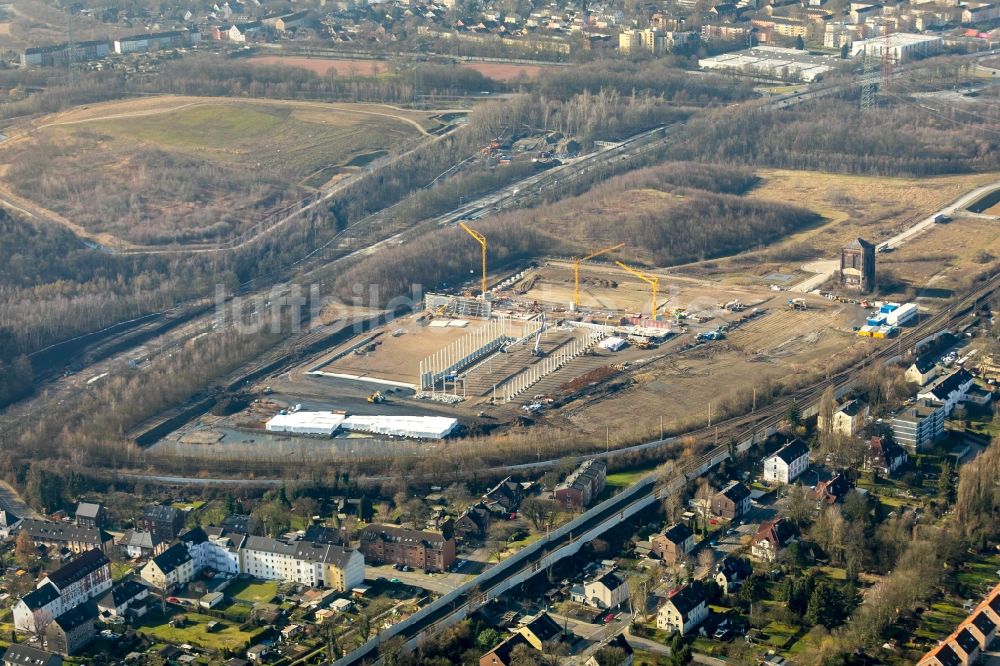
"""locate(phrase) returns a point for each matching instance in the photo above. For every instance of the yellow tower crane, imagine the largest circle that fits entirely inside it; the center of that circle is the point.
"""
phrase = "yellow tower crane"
(482, 242)
(653, 281)
(576, 269)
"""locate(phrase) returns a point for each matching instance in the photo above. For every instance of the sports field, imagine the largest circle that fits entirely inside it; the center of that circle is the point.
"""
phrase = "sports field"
(184, 169)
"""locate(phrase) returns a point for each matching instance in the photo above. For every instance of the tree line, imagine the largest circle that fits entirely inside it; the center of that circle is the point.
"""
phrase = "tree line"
(690, 224)
(901, 139)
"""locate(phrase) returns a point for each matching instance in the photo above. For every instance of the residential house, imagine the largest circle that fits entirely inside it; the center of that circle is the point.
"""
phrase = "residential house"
(91, 514)
(731, 502)
(771, 538)
(239, 33)
(541, 631)
(303, 562)
(34, 611)
(973, 636)
(606, 591)
(831, 491)
(501, 654)
(916, 428)
(921, 371)
(78, 581)
(9, 522)
(322, 534)
(949, 391)
(848, 419)
(787, 463)
(19, 654)
(81, 579)
(884, 456)
(120, 598)
(966, 646)
(473, 523)
(606, 656)
(942, 655)
(215, 548)
(685, 609)
(398, 545)
(674, 543)
(75, 538)
(172, 568)
(584, 484)
(731, 572)
(291, 21)
(72, 630)
(978, 396)
(139, 543)
(165, 522)
(236, 522)
(983, 628)
(505, 497)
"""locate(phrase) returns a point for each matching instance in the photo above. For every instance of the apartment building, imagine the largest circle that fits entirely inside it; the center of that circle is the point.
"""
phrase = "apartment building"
(303, 562)
(86, 577)
(398, 545)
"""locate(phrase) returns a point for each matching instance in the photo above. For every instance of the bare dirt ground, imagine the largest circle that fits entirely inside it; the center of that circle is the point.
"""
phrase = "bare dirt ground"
(397, 358)
(610, 288)
(504, 72)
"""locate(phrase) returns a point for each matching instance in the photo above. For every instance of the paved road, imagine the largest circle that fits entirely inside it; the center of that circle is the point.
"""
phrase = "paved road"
(11, 501)
(826, 268)
(438, 583)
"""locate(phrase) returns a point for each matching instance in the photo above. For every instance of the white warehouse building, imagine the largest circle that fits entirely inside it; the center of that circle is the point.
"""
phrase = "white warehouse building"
(306, 423)
(772, 62)
(901, 47)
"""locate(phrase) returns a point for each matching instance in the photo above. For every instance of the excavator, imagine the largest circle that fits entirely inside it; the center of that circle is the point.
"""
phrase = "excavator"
(376, 398)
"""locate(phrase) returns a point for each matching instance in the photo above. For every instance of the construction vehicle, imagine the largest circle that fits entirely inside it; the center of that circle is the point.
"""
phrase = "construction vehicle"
(734, 306)
(376, 398)
(797, 304)
(710, 335)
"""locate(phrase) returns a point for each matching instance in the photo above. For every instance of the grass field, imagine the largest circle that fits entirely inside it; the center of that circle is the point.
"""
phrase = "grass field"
(196, 632)
(625, 479)
(252, 592)
(184, 169)
(873, 208)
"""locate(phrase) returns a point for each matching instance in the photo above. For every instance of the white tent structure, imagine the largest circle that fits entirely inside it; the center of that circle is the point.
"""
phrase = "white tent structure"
(306, 423)
(419, 427)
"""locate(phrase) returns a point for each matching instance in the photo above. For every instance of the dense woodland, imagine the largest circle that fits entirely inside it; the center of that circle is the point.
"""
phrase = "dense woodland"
(901, 139)
(688, 224)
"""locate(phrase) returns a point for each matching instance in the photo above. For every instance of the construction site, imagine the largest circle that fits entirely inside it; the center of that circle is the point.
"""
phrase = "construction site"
(592, 342)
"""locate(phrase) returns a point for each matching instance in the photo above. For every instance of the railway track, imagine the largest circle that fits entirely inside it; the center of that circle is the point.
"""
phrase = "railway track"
(644, 493)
